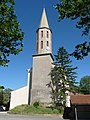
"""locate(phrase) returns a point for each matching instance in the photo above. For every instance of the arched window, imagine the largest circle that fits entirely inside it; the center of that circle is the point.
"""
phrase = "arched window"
(36, 36)
(47, 34)
(47, 43)
(41, 44)
(41, 33)
(37, 47)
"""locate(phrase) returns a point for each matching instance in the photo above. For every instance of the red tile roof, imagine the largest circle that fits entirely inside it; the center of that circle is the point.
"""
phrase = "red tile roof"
(80, 99)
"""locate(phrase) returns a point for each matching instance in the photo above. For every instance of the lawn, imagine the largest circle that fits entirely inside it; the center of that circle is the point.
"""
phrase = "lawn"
(34, 109)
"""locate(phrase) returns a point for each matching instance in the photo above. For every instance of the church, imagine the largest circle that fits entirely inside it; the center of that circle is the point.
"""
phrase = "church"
(36, 89)
(38, 76)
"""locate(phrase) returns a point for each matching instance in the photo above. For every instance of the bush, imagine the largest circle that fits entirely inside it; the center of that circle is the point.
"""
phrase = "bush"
(36, 104)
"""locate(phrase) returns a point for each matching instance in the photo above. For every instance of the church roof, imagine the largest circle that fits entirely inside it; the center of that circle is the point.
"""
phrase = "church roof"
(44, 21)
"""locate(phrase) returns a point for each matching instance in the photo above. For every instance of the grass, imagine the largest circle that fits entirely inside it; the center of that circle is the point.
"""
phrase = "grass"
(27, 109)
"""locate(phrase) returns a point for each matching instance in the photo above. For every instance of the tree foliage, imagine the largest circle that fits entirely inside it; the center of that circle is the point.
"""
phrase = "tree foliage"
(62, 77)
(85, 85)
(1, 95)
(77, 10)
(1, 88)
(5, 95)
(10, 34)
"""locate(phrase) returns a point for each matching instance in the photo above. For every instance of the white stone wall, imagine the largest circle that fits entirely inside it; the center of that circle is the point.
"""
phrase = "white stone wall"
(19, 97)
(67, 101)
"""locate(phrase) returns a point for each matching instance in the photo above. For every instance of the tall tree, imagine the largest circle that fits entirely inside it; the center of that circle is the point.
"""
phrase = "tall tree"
(85, 85)
(62, 77)
(79, 10)
(10, 34)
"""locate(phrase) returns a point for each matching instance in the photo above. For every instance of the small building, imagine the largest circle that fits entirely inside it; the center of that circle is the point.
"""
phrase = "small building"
(79, 108)
(81, 105)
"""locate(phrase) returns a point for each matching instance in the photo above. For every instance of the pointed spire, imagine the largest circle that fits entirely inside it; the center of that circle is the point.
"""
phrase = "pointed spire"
(44, 21)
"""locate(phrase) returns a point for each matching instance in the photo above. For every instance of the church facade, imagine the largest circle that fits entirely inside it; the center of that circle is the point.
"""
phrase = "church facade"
(38, 75)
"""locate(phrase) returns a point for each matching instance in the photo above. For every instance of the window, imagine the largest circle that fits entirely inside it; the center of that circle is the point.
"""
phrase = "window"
(41, 33)
(47, 43)
(36, 36)
(47, 34)
(37, 47)
(41, 44)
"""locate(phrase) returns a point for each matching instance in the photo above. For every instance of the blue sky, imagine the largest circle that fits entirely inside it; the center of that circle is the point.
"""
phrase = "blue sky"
(64, 34)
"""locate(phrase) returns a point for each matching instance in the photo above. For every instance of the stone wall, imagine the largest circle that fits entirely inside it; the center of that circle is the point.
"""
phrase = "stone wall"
(42, 65)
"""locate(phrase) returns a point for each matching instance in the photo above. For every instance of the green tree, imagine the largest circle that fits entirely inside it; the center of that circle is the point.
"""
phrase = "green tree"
(5, 95)
(62, 77)
(10, 34)
(1, 94)
(6, 98)
(85, 85)
(1, 97)
(1, 87)
(77, 10)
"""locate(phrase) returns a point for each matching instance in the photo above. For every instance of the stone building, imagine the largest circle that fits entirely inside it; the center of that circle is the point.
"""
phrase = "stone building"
(38, 76)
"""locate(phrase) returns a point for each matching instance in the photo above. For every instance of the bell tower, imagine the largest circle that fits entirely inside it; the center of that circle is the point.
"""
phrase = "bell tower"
(38, 75)
(43, 36)
(42, 63)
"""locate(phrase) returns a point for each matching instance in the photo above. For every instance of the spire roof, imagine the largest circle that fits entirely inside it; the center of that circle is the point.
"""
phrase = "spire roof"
(44, 21)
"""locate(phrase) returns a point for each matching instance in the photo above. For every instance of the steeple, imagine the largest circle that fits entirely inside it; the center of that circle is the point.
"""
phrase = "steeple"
(44, 22)
(43, 36)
